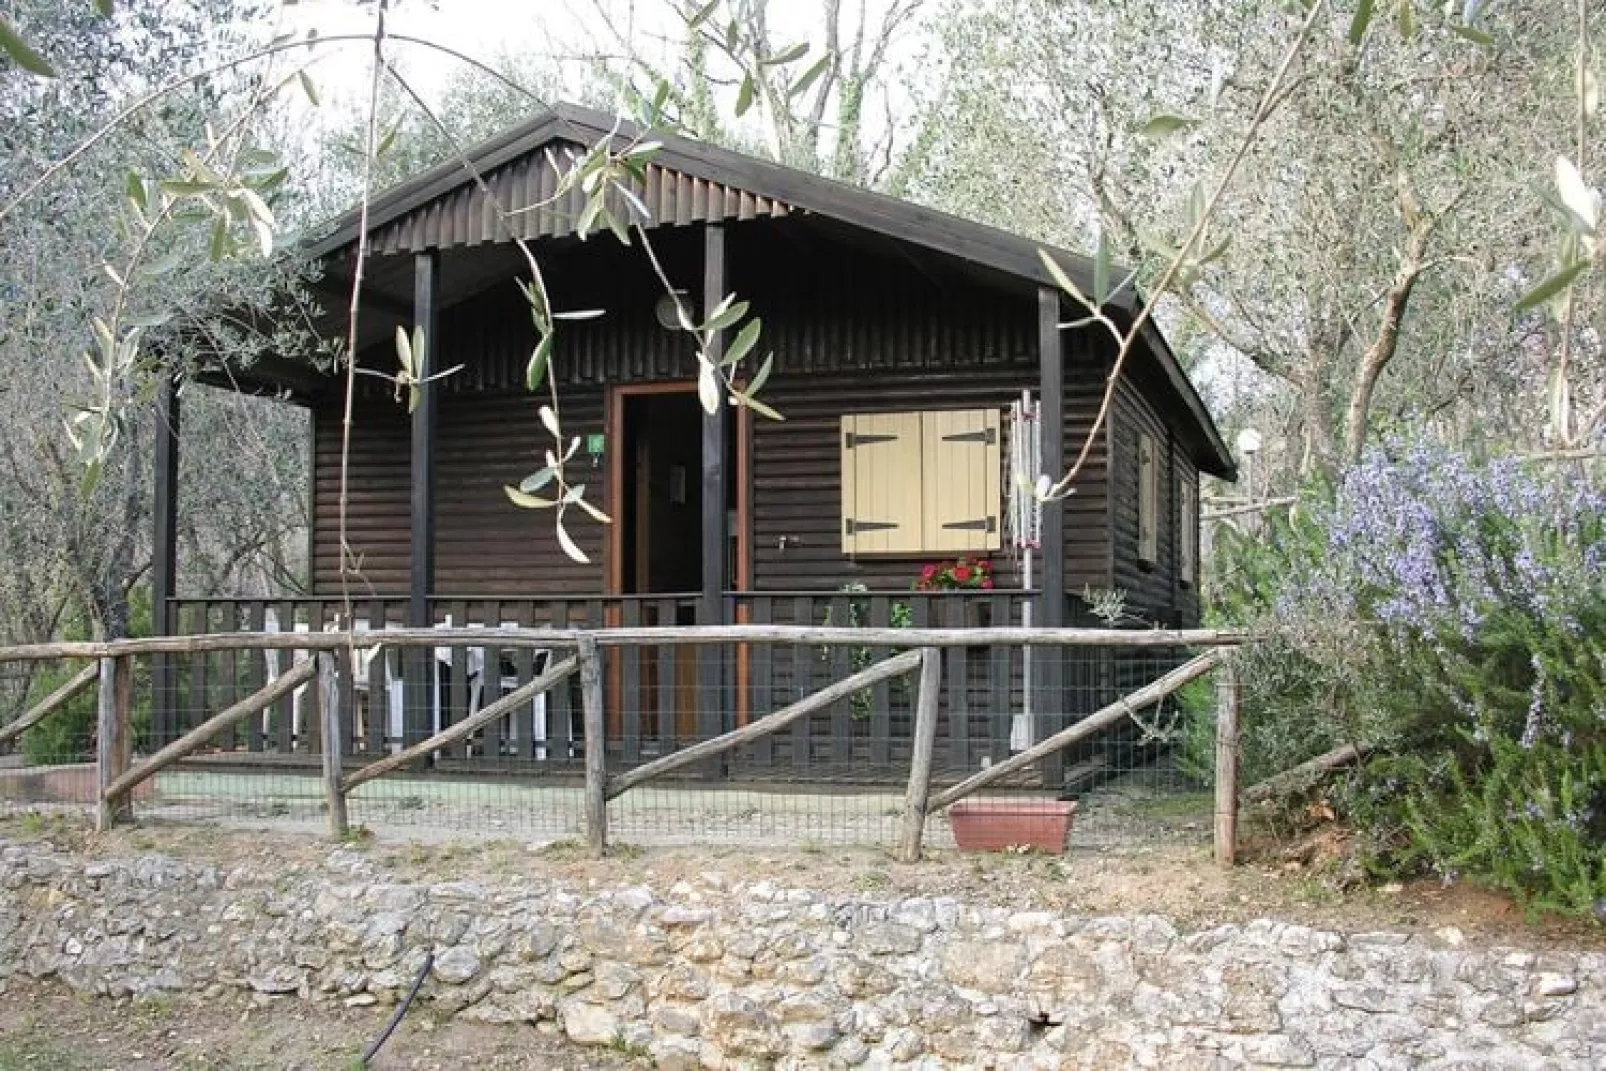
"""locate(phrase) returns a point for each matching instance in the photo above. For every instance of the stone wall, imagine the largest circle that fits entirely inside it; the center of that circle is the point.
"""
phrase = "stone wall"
(750, 975)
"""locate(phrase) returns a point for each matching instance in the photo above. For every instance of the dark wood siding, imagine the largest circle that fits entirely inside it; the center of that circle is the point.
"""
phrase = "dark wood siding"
(852, 328)
(1153, 590)
(378, 482)
(485, 545)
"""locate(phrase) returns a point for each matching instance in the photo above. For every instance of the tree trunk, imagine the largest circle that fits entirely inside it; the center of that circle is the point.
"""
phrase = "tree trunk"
(1378, 355)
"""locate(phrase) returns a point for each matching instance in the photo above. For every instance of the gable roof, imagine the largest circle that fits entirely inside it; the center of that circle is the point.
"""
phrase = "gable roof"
(691, 181)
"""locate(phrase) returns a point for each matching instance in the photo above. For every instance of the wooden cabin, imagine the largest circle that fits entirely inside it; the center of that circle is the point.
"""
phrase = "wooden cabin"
(900, 335)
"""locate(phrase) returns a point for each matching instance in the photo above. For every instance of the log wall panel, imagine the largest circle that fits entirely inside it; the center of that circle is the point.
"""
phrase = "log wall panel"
(852, 330)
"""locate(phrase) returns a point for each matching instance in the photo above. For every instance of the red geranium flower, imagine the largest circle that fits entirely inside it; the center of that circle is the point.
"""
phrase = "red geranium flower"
(962, 573)
(928, 572)
(987, 583)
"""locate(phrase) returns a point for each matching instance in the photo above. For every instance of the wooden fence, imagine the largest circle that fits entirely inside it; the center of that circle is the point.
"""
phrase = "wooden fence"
(916, 651)
(661, 697)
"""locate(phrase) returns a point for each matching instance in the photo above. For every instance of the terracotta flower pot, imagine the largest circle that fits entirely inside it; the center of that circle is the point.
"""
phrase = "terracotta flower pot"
(993, 825)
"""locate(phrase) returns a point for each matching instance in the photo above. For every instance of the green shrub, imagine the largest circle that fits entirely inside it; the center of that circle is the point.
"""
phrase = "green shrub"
(1453, 616)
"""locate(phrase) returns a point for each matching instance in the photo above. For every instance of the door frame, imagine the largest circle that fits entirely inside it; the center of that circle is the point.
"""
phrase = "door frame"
(614, 428)
(614, 403)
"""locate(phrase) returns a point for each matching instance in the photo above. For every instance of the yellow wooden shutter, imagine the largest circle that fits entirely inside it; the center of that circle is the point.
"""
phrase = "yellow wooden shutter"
(1148, 501)
(881, 483)
(962, 493)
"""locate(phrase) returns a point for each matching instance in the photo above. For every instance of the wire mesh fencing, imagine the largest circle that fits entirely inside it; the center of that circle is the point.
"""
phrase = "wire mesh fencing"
(487, 738)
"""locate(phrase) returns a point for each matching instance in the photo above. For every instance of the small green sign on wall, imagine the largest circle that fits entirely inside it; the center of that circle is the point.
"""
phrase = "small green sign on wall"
(595, 442)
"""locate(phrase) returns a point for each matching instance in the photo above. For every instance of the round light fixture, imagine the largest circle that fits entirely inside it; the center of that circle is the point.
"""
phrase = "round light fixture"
(670, 307)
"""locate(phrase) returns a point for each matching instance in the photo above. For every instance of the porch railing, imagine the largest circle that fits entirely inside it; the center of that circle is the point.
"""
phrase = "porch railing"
(661, 696)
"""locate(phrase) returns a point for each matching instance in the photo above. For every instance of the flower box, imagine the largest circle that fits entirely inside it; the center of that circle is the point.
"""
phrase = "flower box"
(994, 825)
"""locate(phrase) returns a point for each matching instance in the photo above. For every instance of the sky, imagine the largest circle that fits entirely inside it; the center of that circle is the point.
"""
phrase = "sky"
(483, 29)
(489, 29)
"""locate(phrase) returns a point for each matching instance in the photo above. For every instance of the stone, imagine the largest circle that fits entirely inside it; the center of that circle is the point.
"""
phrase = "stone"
(918, 914)
(448, 892)
(683, 982)
(628, 943)
(612, 981)
(862, 978)
(531, 1005)
(794, 979)
(676, 1054)
(535, 940)
(989, 966)
(1373, 999)
(804, 972)
(890, 938)
(1278, 1050)
(1502, 1013)
(635, 899)
(449, 1000)
(852, 1052)
(277, 981)
(575, 960)
(737, 1025)
(704, 949)
(585, 1023)
(806, 1008)
(456, 965)
(811, 1037)
(677, 1019)
(1555, 985)
(904, 1043)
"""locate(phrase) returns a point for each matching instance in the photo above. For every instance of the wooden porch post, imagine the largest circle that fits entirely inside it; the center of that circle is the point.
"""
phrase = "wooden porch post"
(419, 677)
(713, 707)
(1049, 697)
(164, 556)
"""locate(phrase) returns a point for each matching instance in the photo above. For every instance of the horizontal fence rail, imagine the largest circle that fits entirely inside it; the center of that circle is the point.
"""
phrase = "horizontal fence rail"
(690, 635)
(912, 706)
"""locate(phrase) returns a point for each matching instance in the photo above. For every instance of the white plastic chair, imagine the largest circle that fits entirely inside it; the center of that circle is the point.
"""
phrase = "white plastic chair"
(270, 658)
(507, 682)
(395, 685)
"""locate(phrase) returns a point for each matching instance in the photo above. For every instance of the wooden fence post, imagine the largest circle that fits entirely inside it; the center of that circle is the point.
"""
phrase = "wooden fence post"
(329, 691)
(1227, 695)
(925, 741)
(113, 741)
(596, 731)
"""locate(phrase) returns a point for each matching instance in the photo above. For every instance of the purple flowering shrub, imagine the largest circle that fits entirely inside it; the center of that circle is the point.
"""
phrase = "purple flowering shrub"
(1453, 615)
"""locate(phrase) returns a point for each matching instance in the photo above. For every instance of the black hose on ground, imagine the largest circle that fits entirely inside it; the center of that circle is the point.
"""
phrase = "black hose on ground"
(401, 1009)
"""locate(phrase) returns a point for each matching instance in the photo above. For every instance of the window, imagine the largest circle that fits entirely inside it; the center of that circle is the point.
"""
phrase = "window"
(921, 483)
(1188, 537)
(1148, 501)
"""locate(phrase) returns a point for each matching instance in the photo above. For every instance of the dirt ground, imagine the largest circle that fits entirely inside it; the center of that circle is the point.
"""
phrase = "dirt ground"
(46, 1026)
(1180, 882)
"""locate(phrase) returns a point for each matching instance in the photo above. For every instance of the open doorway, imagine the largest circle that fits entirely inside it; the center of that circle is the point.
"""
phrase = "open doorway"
(661, 494)
(655, 434)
